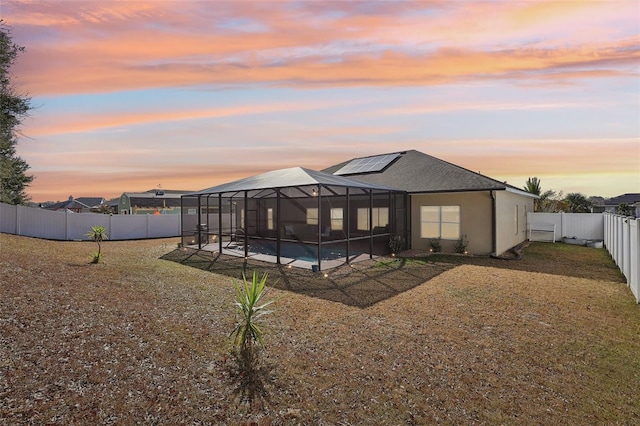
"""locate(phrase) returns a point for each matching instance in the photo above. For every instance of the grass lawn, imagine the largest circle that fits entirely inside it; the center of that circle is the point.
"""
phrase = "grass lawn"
(143, 338)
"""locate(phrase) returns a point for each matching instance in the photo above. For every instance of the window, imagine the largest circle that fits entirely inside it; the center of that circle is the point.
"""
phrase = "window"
(312, 216)
(337, 217)
(363, 219)
(269, 218)
(380, 218)
(440, 222)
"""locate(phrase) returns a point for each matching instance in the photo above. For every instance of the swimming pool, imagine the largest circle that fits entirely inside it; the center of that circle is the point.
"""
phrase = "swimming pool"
(299, 251)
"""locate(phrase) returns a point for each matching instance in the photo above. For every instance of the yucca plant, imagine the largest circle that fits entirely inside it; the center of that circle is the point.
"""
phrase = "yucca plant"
(249, 294)
(97, 234)
(251, 376)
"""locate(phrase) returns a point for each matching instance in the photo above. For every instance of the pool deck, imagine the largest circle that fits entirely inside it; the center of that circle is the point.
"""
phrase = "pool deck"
(233, 249)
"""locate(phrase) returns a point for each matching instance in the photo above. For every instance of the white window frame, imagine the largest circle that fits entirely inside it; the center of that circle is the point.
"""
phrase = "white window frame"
(440, 223)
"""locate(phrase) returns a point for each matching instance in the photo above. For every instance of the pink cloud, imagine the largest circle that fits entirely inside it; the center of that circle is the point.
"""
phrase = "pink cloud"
(100, 50)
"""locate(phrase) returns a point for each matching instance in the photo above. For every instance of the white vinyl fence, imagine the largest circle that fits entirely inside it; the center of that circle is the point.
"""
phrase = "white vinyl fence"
(59, 225)
(622, 239)
(620, 235)
(555, 226)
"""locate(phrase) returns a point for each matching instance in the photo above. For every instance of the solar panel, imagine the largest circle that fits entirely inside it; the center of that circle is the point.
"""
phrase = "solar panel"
(367, 164)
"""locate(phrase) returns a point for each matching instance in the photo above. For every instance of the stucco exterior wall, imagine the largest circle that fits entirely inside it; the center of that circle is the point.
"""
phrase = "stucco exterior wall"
(475, 220)
(511, 223)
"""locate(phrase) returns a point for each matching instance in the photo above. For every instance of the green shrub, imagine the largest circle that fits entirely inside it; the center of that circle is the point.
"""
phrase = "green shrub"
(436, 247)
(396, 243)
(461, 245)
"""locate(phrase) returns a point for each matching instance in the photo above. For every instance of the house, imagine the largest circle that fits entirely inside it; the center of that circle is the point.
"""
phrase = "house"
(447, 201)
(78, 205)
(631, 199)
(358, 206)
(153, 201)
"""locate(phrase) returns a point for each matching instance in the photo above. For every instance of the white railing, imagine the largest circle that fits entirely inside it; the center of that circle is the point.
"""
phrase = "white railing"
(622, 240)
(58, 225)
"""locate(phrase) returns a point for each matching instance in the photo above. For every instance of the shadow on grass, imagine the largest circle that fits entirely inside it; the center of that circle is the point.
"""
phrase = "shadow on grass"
(366, 283)
(360, 284)
(251, 376)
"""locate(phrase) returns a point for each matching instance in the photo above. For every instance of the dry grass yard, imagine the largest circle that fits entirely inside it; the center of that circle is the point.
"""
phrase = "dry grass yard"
(142, 338)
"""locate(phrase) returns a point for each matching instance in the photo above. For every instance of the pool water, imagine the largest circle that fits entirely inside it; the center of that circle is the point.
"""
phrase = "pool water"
(298, 251)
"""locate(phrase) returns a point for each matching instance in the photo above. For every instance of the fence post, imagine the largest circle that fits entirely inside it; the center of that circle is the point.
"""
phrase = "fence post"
(626, 253)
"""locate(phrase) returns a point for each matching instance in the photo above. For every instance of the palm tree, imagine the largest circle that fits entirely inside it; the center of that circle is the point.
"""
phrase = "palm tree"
(625, 209)
(97, 234)
(533, 186)
(577, 203)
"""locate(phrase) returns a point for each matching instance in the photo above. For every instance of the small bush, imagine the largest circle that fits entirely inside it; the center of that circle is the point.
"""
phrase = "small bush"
(396, 244)
(461, 245)
(436, 247)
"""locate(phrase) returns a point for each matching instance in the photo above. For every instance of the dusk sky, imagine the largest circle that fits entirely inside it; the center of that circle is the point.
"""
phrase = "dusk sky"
(132, 95)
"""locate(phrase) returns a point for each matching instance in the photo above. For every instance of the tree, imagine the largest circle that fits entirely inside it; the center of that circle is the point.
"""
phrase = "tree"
(13, 108)
(548, 200)
(625, 209)
(533, 186)
(577, 203)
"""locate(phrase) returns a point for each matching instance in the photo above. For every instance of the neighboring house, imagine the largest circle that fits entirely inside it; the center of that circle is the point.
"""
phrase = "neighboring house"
(447, 201)
(633, 200)
(597, 204)
(154, 201)
(78, 205)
